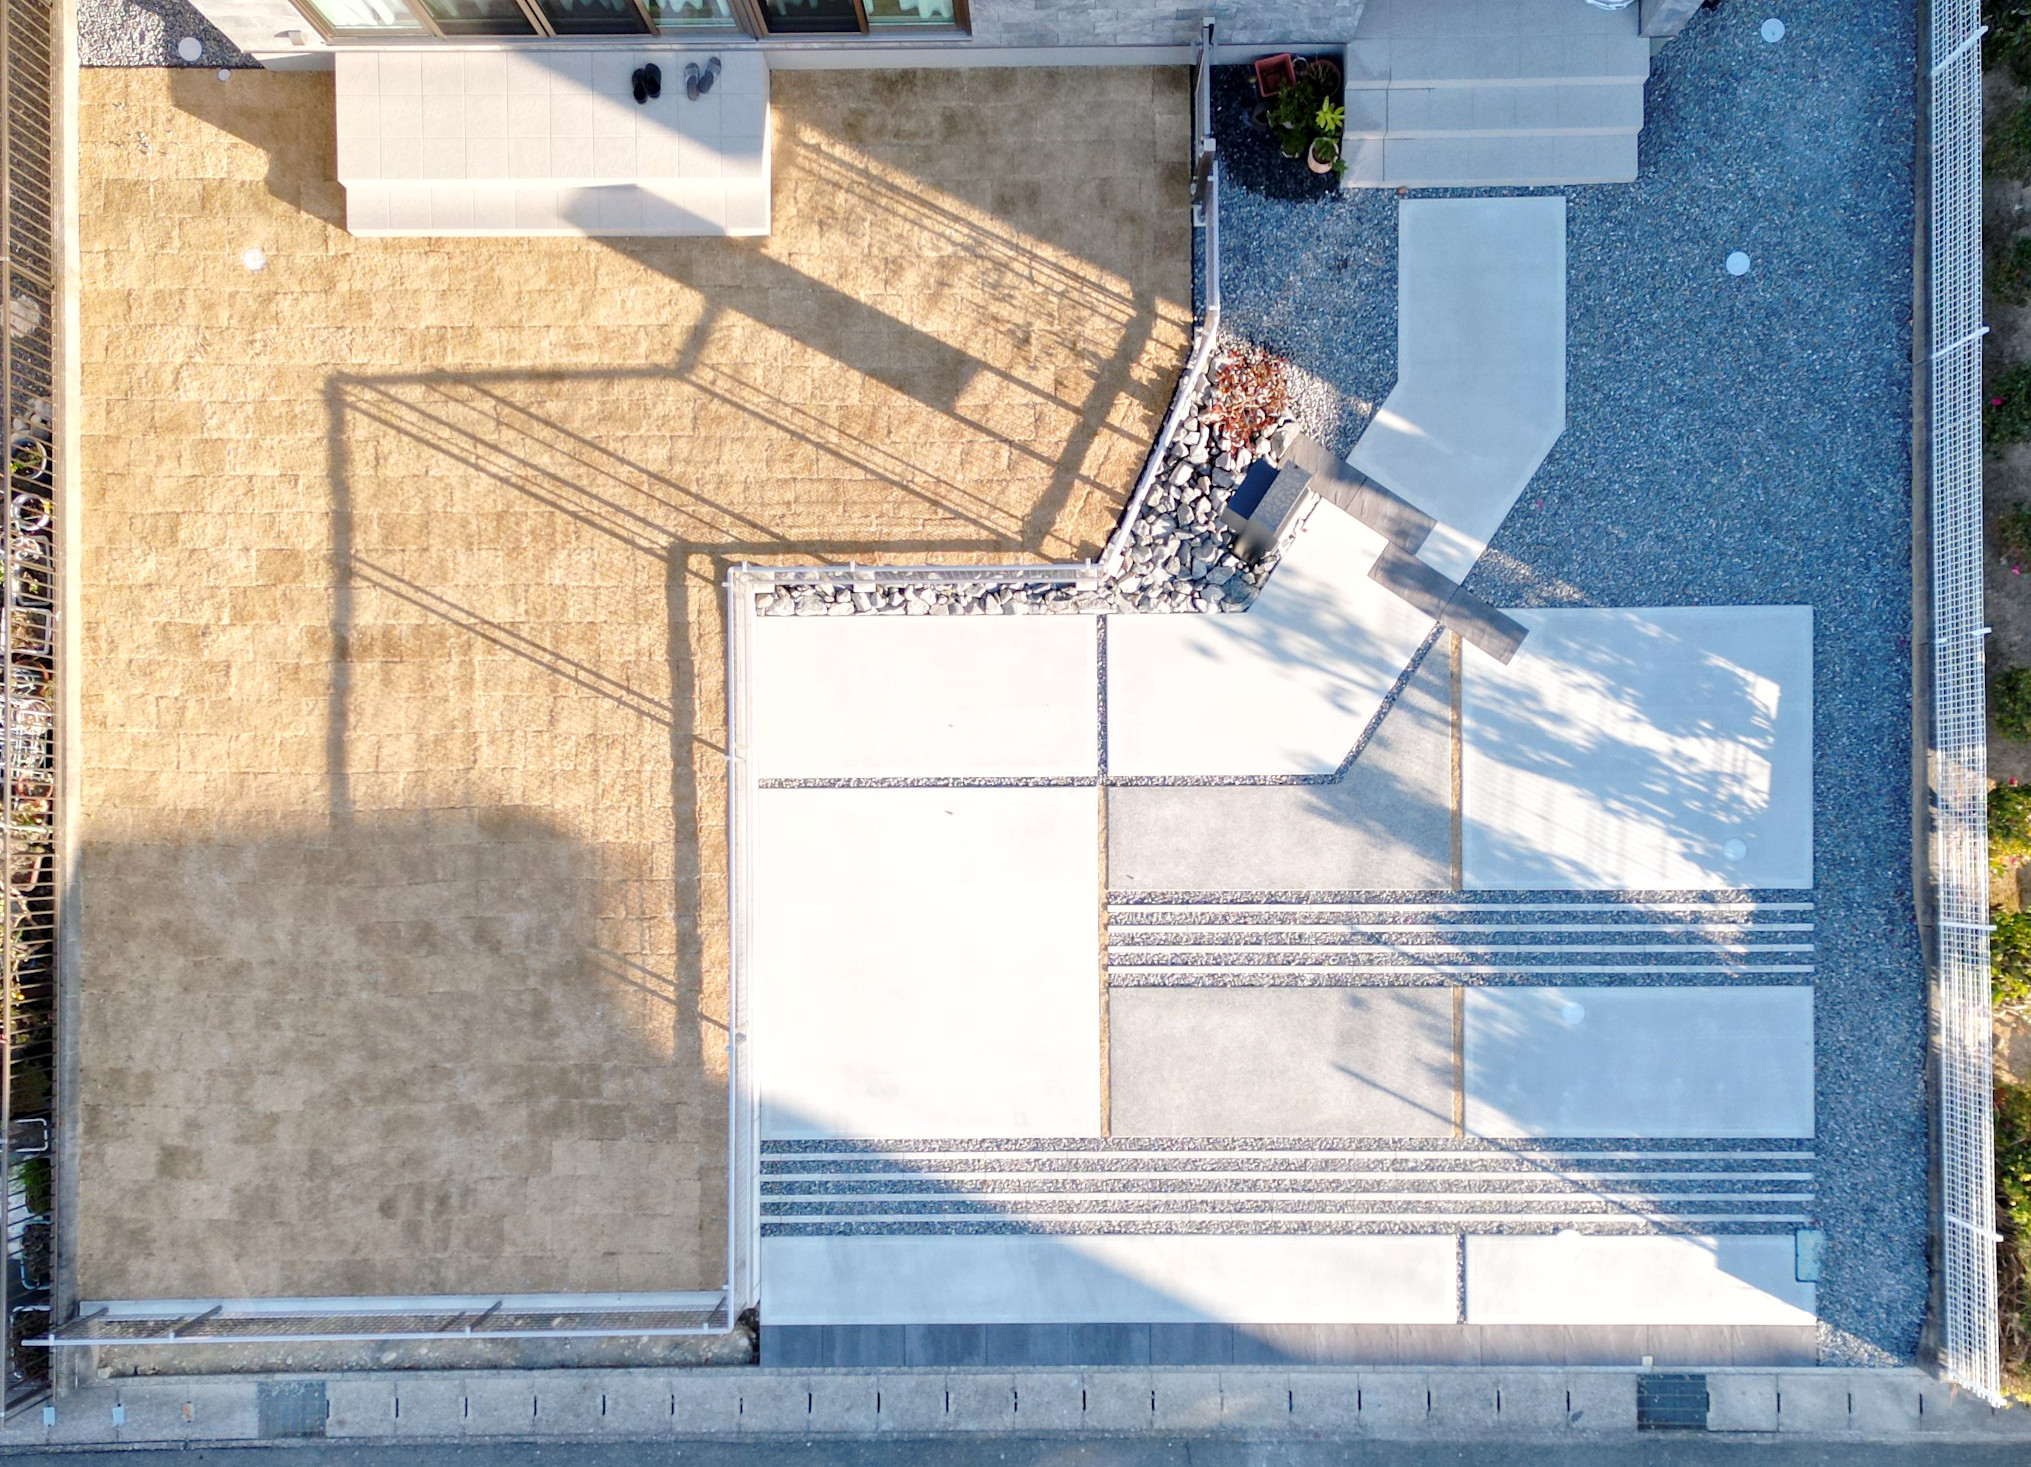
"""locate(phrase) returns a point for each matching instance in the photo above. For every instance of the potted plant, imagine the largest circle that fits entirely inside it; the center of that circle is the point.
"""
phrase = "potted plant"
(1274, 73)
(1293, 116)
(1324, 73)
(1323, 156)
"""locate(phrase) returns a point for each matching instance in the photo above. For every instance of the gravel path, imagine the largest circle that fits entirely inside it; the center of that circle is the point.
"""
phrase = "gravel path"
(1729, 441)
(145, 33)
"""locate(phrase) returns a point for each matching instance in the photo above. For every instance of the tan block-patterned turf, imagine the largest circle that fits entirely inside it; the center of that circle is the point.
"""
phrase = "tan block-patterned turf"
(403, 886)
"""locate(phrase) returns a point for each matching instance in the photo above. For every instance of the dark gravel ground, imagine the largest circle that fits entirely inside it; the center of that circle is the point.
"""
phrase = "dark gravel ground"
(145, 33)
(1728, 441)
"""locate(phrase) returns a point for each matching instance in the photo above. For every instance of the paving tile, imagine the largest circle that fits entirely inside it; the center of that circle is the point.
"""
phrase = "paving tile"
(1187, 1400)
(708, 1402)
(1604, 1402)
(981, 1401)
(1741, 1402)
(913, 1401)
(533, 653)
(1324, 1400)
(1816, 1401)
(1256, 1400)
(1882, 1402)
(436, 1406)
(1120, 1400)
(361, 1406)
(1394, 1403)
(1049, 1400)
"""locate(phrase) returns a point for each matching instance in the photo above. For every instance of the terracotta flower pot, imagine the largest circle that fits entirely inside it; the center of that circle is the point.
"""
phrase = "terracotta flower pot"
(1274, 73)
(1315, 163)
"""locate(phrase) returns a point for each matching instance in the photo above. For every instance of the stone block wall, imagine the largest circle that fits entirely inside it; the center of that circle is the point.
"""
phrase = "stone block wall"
(1160, 22)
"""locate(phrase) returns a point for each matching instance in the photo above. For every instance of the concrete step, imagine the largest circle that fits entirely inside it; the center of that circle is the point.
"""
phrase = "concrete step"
(1490, 162)
(1546, 60)
(1495, 111)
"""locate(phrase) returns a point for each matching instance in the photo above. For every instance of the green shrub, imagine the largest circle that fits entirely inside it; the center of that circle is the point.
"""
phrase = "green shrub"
(2010, 960)
(2009, 825)
(2006, 145)
(2013, 1221)
(2013, 537)
(35, 1180)
(2008, 42)
(2006, 412)
(2009, 272)
(2010, 702)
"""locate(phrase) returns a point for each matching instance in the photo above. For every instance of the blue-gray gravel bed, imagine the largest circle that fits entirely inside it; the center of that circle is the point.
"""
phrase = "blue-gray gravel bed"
(1728, 441)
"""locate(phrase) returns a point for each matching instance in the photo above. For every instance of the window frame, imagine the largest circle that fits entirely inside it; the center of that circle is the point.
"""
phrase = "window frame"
(747, 22)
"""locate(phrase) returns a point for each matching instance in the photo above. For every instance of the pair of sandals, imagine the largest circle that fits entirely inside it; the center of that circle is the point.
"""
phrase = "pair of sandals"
(698, 80)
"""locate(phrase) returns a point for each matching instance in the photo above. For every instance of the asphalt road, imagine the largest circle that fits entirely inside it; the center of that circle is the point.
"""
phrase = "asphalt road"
(945, 1451)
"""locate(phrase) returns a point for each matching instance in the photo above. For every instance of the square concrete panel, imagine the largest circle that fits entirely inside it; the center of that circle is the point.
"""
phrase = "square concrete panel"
(1573, 1279)
(1386, 826)
(1280, 1061)
(1283, 688)
(1661, 749)
(925, 962)
(864, 697)
(1733, 1061)
(1146, 1279)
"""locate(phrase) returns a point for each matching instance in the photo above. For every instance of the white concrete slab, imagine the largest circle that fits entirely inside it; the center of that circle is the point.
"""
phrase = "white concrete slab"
(1642, 749)
(1661, 1061)
(924, 697)
(1480, 392)
(925, 962)
(548, 140)
(1284, 688)
(1574, 1279)
(1347, 1061)
(1102, 1280)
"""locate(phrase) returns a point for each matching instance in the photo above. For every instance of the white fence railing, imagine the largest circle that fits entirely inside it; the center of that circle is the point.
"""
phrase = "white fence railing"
(1968, 1332)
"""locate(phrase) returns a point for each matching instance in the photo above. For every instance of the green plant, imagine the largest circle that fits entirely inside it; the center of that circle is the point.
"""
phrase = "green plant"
(2006, 144)
(2013, 536)
(2013, 1215)
(2010, 960)
(2010, 702)
(1330, 119)
(2006, 411)
(2009, 272)
(2009, 825)
(2008, 42)
(35, 1181)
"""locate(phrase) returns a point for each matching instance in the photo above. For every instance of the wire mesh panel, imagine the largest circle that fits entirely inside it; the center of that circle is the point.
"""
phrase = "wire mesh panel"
(27, 671)
(1960, 723)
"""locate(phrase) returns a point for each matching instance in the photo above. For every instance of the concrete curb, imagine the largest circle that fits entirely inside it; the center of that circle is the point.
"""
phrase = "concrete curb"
(746, 1403)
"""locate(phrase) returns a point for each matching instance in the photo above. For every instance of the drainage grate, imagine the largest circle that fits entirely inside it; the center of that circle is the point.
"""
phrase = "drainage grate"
(291, 1407)
(1671, 1403)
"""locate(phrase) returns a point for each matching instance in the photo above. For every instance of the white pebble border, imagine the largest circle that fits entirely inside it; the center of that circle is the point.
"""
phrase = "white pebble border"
(1180, 557)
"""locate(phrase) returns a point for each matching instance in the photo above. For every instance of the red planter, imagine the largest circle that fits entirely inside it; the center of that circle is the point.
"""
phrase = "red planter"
(1274, 73)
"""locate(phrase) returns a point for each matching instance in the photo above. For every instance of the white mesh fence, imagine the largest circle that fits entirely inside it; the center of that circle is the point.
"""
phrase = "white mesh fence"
(1960, 724)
